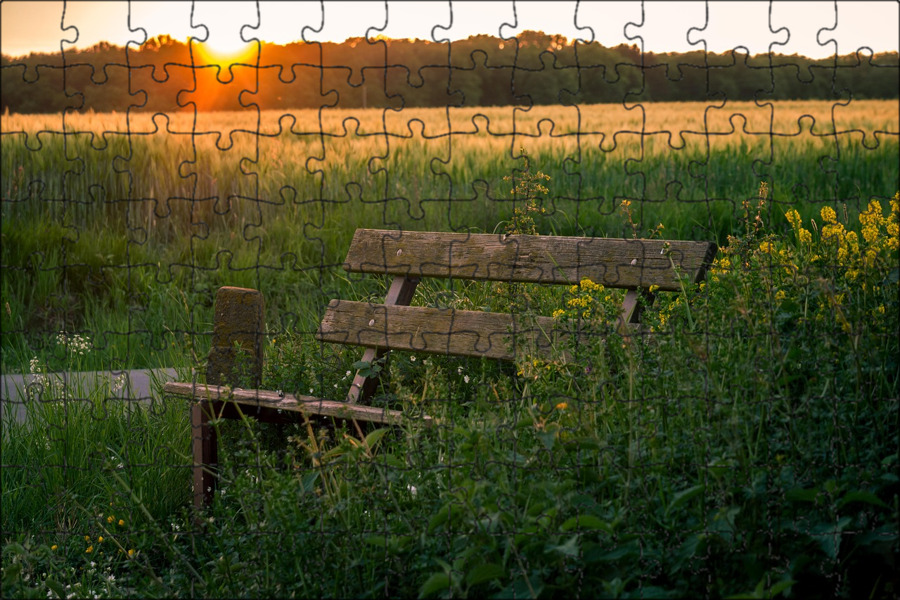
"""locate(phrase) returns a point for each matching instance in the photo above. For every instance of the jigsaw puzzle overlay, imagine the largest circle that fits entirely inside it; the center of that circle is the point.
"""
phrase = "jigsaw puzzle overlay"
(650, 344)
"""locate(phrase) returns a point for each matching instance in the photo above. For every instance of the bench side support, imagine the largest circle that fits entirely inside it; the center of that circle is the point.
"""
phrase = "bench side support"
(400, 294)
(633, 306)
(205, 453)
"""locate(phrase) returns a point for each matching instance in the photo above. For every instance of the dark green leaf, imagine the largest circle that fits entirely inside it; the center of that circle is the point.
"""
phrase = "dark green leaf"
(435, 583)
(439, 519)
(862, 496)
(683, 497)
(570, 548)
(802, 495)
(373, 438)
(485, 572)
(584, 522)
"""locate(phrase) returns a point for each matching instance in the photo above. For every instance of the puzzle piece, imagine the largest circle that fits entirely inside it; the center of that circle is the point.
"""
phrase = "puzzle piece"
(145, 165)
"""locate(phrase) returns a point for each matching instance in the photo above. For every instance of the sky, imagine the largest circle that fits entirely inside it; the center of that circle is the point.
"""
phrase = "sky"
(816, 29)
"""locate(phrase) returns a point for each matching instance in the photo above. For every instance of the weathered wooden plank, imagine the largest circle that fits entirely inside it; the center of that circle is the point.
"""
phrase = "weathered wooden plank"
(288, 402)
(619, 263)
(438, 331)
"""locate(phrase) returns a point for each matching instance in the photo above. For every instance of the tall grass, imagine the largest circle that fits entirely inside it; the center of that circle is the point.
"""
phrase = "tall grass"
(126, 227)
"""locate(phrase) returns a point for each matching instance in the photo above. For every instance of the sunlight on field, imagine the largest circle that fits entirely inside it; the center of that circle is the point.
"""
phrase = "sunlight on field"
(675, 118)
(195, 168)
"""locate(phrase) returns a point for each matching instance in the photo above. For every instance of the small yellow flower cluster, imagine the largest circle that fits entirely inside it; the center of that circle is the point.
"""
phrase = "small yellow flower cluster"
(793, 218)
(532, 369)
(112, 519)
(873, 222)
(666, 312)
(587, 298)
(720, 266)
(879, 233)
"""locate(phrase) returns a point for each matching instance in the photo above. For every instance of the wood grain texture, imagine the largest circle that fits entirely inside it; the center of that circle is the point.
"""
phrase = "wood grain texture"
(304, 404)
(438, 331)
(619, 263)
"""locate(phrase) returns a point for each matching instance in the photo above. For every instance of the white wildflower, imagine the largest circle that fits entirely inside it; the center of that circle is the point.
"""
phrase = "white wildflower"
(119, 382)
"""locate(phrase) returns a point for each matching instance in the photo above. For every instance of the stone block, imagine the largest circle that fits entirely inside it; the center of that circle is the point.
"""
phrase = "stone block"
(236, 355)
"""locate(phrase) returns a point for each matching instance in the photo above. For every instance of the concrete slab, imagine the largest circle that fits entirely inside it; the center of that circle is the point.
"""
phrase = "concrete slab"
(128, 385)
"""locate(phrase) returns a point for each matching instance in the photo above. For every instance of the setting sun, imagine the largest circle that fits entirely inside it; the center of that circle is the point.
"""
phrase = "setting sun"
(223, 43)
(228, 53)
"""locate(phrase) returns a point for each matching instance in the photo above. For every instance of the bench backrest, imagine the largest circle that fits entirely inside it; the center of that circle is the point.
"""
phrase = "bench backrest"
(410, 256)
(617, 263)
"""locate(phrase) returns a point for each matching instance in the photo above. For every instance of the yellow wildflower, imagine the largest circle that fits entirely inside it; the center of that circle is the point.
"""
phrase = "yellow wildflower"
(54, 547)
(89, 549)
(121, 522)
(562, 406)
(589, 285)
(805, 235)
(654, 288)
(110, 519)
(793, 218)
(833, 232)
(872, 215)
(779, 295)
(870, 233)
(828, 214)
(131, 552)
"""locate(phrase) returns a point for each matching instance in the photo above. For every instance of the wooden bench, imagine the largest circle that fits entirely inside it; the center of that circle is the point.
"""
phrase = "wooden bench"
(634, 265)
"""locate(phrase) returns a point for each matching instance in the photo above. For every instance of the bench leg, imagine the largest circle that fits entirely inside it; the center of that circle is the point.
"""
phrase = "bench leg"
(206, 454)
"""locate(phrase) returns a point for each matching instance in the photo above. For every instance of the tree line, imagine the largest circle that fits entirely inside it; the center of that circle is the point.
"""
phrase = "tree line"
(167, 75)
